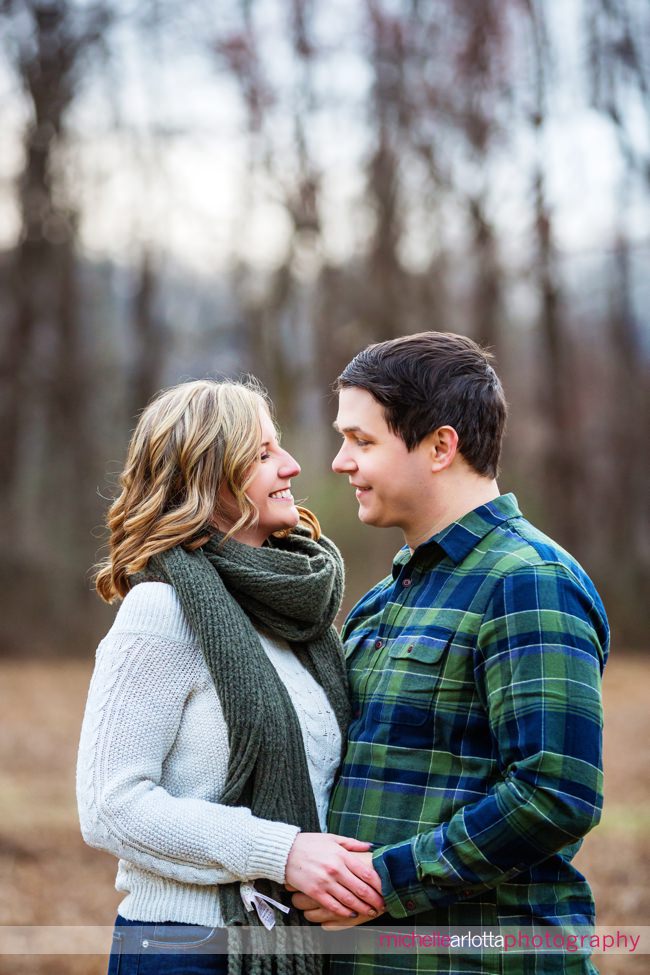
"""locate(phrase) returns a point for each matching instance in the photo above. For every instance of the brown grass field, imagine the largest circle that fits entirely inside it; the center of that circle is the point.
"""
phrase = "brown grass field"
(49, 877)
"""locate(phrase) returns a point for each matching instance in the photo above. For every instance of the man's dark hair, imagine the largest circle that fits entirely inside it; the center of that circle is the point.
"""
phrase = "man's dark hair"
(431, 380)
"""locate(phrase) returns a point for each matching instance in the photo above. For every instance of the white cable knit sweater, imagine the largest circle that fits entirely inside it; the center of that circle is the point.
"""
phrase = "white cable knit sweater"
(153, 759)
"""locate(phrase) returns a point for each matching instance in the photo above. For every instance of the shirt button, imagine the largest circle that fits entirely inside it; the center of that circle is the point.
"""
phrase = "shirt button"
(410, 905)
(379, 644)
(408, 649)
(406, 583)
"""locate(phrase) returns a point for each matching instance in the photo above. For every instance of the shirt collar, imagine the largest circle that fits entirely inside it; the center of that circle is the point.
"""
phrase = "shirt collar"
(458, 539)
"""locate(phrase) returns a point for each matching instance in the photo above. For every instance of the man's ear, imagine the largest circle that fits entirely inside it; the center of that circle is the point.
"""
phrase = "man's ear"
(443, 447)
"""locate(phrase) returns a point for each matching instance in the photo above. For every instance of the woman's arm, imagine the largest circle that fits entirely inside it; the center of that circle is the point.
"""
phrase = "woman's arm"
(147, 668)
(137, 695)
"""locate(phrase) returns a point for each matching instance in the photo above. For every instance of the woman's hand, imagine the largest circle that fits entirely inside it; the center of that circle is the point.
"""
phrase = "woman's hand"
(337, 873)
(316, 914)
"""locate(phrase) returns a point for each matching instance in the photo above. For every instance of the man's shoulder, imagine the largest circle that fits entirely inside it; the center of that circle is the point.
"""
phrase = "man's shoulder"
(517, 545)
(531, 564)
(535, 585)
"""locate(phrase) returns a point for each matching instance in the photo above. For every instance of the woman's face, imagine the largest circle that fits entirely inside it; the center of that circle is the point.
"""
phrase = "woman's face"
(269, 490)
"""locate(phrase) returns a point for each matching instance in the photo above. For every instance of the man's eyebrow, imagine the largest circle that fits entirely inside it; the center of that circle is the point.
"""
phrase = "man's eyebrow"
(349, 429)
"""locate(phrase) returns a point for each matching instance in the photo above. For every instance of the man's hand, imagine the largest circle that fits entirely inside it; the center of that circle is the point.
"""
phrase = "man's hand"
(337, 873)
(320, 915)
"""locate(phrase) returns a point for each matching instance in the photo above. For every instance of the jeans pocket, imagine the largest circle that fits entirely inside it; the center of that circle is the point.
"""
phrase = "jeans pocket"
(115, 957)
(182, 938)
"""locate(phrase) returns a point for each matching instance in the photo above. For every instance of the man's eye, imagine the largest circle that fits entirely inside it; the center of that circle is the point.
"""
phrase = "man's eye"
(361, 443)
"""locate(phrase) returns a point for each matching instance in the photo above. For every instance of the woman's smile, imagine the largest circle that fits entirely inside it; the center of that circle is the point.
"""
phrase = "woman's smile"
(284, 494)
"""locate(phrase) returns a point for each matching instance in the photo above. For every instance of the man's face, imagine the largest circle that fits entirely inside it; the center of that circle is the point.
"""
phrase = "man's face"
(392, 485)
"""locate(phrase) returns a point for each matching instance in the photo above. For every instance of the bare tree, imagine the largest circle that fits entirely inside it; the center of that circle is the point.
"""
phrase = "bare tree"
(443, 93)
(149, 335)
(43, 355)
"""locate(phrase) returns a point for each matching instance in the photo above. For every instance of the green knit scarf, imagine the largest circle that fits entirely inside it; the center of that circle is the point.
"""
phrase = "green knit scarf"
(291, 587)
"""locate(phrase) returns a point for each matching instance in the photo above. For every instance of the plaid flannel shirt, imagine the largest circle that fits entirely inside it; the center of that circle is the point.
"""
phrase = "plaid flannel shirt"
(474, 756)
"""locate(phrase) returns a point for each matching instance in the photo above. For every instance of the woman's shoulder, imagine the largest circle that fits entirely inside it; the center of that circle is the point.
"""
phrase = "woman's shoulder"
(153, 608)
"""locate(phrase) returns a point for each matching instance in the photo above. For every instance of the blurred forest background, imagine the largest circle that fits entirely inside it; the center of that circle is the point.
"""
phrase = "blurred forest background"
(266, 186)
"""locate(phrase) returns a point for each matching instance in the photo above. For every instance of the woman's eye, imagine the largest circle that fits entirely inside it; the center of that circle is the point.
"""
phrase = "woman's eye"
(265, 455)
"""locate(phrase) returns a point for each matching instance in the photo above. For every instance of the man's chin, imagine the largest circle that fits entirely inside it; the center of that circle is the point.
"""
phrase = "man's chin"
(366, 516)
(376, 519)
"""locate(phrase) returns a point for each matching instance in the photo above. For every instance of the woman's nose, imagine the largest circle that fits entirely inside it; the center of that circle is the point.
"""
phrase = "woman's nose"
(289, 467)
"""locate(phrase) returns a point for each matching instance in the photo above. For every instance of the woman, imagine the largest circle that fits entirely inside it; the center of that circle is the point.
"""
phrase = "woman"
(218, 703)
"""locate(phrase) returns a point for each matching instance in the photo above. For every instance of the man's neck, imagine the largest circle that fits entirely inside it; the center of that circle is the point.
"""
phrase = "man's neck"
(462, 496)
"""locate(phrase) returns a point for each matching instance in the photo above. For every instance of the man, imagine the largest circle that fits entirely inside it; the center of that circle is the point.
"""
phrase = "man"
(474, 756)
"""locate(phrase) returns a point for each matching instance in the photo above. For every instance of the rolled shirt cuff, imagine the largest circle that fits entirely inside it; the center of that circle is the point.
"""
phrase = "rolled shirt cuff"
(400, 886)
(405, 893)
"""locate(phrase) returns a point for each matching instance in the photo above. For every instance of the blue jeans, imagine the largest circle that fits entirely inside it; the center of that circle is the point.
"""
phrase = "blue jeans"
(167, 949)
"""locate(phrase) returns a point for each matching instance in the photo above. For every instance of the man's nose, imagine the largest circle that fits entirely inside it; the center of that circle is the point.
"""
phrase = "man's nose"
(343, 463)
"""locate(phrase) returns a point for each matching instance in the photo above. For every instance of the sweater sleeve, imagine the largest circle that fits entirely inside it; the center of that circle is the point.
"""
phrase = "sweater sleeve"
(141, 682)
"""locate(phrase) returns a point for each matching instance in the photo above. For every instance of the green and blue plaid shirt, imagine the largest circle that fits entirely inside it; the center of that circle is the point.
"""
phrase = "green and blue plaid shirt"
(474, 756)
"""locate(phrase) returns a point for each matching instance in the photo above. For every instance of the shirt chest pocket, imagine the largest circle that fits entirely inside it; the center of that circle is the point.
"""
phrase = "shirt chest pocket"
(409, 679)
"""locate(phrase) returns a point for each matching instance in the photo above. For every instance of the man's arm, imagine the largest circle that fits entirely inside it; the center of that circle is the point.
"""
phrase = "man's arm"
(539, 658)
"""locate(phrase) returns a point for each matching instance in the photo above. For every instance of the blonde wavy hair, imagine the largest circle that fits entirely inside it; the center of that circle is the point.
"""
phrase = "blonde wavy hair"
(190, 441)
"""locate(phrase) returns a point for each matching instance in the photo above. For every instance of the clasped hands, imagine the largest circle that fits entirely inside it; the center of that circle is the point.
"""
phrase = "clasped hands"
(334, 880)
